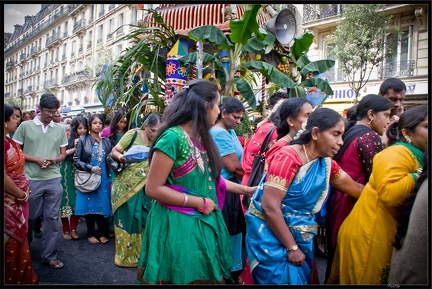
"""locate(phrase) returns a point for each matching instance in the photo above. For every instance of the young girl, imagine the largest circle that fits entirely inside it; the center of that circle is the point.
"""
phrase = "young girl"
(67, 209)
(90, 155)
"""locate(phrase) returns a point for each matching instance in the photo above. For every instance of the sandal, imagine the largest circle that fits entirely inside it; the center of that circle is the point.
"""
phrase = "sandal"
(93, 240)
(74, 235)
(67, 236)
(55, 264)
(103, 240)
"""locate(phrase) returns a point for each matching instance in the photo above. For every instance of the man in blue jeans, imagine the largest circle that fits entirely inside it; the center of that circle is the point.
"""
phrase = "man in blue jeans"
(44, 146)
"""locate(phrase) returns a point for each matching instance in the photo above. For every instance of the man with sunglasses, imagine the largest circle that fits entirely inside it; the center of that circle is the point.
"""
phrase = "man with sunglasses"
(44, 146)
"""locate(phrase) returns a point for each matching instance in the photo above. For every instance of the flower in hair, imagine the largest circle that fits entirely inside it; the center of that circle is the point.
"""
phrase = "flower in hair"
(300, 131)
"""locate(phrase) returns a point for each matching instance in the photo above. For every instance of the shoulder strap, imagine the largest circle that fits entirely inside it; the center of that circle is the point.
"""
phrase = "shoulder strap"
(132, 140)
(266, 140)
(349, 136)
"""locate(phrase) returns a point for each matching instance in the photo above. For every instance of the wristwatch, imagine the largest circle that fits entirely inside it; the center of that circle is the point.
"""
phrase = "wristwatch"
(295, 247)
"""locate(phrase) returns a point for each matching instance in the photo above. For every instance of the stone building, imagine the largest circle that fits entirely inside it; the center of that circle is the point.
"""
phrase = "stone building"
(62, 49)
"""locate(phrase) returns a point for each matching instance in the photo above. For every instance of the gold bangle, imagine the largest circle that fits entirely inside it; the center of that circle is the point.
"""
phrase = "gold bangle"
(23, 199)
(119, 157)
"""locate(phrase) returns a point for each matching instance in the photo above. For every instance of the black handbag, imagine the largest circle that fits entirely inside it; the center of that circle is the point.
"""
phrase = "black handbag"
(115, 165)
(232, 213)
(258, 165)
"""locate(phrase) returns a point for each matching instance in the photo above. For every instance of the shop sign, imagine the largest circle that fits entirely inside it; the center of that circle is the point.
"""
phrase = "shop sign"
(342, 95)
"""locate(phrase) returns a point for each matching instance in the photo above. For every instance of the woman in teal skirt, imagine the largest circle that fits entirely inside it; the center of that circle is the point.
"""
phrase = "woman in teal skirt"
(67, 169)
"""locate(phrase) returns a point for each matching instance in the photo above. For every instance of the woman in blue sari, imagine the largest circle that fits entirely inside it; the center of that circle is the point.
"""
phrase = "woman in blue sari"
(280, 222)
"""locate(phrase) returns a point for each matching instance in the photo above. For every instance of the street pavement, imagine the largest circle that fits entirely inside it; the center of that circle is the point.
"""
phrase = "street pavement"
(93, 264)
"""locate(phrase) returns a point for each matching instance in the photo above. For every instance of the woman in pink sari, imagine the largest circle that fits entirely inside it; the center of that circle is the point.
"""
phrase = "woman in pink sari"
(18, 267)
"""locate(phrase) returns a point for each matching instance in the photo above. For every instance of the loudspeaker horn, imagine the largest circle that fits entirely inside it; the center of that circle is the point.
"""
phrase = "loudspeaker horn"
(283, 26)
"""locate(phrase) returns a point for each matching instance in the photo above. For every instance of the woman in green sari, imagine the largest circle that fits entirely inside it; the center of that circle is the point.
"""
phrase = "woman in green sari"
(130, 205)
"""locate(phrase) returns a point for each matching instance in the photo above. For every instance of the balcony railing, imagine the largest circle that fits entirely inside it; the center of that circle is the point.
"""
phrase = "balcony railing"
(73, 77)
(65, 34)
(78, 26)
(313, 12)
(33, 51)
(51, 82)
(109, 36)
(396, 69)
(80, 49)
(99, 41)
(29, 89)
(52, 38)
(7, 94)
(10, 64)
(23, 56)
(90, 21)
(72, 7)
(89, 45)
(72, 54)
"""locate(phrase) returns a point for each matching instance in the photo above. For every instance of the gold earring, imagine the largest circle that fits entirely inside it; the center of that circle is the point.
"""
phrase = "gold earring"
(371, 119)
(5, 124)
(407, 138)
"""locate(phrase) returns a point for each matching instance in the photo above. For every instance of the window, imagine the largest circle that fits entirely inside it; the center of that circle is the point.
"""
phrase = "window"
(334, 73)
(120, 20)
(119, 49)
(111, 26)
(398, 62)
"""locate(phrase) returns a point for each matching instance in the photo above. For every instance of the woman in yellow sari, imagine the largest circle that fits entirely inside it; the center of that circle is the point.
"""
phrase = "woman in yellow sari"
(364, 244)
(130, 205)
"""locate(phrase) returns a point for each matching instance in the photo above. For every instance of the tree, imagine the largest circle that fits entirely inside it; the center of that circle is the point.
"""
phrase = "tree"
(359, 42)
(248, 37)
(125, 75)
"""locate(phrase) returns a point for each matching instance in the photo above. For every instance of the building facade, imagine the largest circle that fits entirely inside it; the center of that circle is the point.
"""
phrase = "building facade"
(62, 49)
(410, 63)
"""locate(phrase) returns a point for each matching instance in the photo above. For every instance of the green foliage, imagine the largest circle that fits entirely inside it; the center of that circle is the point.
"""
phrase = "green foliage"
(359, 42)
(138, 65)
(246, 35)
(244, 29)
(245, 125)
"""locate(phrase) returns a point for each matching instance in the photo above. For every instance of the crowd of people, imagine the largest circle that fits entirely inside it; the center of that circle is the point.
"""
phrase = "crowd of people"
(184, 211)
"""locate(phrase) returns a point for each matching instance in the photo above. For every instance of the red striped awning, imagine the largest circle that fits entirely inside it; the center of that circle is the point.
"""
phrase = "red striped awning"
(184, 17)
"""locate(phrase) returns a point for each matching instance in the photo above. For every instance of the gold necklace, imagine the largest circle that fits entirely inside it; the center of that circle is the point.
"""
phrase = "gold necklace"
(306, 154)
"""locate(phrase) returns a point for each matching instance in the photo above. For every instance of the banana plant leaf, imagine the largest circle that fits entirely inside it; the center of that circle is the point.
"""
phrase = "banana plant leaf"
(319, 66)
(254, 44)
(297, 91)
(243, 29)
(322, 84)
(208, 58)
(245, 90)
(212, 35)
(301, 45)
(303, 61)
(271, 72)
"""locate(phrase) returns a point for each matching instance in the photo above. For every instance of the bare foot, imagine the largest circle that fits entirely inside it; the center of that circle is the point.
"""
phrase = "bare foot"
(103, 240)
(93, 240)
(74, 235)
(67, 236)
